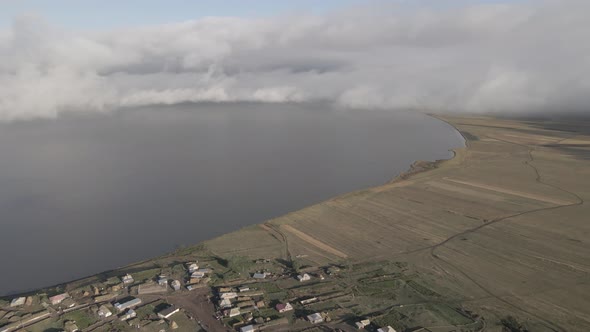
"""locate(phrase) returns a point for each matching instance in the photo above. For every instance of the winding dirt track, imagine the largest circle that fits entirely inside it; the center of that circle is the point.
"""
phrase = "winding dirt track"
(538, 178)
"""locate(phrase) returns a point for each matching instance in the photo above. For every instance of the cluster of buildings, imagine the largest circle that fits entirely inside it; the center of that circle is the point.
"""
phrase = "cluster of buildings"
(197, 276)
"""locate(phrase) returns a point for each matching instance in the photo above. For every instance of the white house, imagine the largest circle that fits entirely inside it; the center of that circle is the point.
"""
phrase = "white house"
(315, 318)
(162, 280)
(127, 279)
(192, 267)
(130, 313)
(233, 312)
(104, 312)
(259, 275)
(18, 301)
(303, 277)
(362, 324)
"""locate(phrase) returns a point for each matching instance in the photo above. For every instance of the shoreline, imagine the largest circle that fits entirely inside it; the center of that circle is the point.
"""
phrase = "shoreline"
(417, 167)
(423, 236)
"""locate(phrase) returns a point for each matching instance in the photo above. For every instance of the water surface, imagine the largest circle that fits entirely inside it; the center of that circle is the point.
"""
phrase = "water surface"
(84, 194)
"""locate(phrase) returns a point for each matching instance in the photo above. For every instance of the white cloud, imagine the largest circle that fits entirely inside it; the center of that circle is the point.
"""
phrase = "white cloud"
(520, 57)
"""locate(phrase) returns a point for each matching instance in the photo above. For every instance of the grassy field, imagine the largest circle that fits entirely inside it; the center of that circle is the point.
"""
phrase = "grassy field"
(501, 229)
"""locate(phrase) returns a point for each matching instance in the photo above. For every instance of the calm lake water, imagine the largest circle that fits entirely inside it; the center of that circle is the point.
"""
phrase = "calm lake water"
(84, 194)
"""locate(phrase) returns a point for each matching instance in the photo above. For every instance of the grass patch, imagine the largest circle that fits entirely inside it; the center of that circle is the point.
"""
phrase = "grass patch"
(146, 310)
(83, 318)
(449, 314)
(422, 289)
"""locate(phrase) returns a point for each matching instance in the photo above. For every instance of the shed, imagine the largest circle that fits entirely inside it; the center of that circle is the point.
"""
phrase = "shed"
(386, 329)
(247, 328)
(132, 302)
(168, 312)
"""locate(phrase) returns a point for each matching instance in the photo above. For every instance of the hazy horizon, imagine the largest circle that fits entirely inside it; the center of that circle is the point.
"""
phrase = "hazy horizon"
(496, 57)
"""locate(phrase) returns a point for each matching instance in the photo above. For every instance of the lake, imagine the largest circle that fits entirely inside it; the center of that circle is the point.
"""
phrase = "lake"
(86, 193)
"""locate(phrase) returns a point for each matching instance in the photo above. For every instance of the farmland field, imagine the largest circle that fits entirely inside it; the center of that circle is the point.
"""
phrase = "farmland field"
(499, 230)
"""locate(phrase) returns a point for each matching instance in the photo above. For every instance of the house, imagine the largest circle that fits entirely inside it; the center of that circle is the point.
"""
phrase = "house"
(175, 285)
(259, 275)
(18, 301)
(247, 328)
(204, 270)
(131, 302)
(163, 280)
(130, 313)
(244, 289)
(127, 279)
(230, 295)
(57, 299)
(232, 312)
(70, 326)
(284, 307)
(225, 303)
(197, 275)
(260, 304)
(168, 312)
(315, 318)
(192, 267)
(104, 312)
(303, 277)
(362, 324)
(386, 329)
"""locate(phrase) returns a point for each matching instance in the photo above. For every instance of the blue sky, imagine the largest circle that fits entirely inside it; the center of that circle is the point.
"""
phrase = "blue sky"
(115, 13)
(112, 13)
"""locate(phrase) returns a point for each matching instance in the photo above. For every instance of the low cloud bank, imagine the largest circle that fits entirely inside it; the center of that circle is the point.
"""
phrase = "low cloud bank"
(523, 57)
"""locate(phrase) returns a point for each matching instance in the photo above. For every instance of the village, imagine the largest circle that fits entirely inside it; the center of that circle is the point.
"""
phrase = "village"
(237, 294)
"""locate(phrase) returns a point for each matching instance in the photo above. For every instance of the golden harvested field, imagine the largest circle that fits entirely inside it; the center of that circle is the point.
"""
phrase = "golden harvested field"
(501, 229)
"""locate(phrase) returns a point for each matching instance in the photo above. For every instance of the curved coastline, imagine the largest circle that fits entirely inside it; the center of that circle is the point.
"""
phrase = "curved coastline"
(416, 168)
